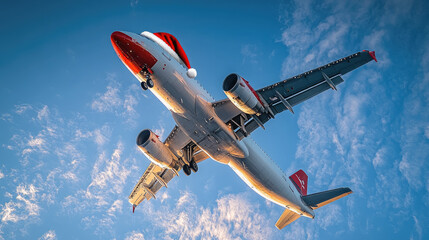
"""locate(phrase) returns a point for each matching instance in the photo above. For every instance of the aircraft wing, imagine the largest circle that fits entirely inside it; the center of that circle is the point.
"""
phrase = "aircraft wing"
(290, 92)
(156, 177)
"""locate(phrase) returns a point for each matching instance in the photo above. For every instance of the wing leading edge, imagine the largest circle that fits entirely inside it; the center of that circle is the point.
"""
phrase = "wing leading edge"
(286, 94)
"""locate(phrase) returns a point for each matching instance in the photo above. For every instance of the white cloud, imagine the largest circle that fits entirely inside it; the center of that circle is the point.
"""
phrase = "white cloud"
(129, 103)
(298, 230)
(233, 217)
(108, 101)
(108, 177)
(24, 207)
(50, 235)
(43, 113)
(70, 176)
(99, 137)
(134, 3)
(379, 157)
(329, 215)
(36, 142)
(20, 109)
(164, 196)
(1, 174)
(160, 129)
(418, 228)
(345, 136)
(415, 147)
(427, 132)
(135, 236)
(250, 53)
(119, 102)
(6, 117)
(116, 207)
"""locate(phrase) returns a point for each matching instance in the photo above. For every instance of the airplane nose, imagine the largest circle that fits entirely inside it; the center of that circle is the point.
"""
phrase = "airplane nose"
(131, 52)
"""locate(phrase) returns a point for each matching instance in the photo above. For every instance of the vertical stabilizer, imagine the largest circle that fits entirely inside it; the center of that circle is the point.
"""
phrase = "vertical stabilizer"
(300, 179)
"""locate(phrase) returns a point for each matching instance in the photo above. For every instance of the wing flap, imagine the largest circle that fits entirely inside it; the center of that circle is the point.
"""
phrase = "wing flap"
(286, 218)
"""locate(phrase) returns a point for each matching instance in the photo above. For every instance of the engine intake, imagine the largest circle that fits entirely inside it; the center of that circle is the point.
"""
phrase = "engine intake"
(149, 143)
(242, 95)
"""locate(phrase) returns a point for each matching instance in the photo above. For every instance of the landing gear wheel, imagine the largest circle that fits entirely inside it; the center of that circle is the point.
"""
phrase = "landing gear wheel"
(144, 85)
(149, 82)
(187, 170)
(193, 165)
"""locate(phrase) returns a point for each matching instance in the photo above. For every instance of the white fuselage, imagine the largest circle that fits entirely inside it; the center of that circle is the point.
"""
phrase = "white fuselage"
(192, 110)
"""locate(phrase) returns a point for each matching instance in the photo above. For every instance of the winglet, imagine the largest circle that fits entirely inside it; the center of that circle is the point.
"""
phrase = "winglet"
(372, 54)
(134, 207)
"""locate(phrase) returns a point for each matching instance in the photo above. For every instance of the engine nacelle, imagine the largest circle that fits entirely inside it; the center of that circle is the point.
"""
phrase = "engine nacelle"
(242, 95)
(155, 150)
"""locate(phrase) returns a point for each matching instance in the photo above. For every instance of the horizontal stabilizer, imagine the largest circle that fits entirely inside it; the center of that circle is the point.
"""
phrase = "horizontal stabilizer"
(286, 218)
(320, 199)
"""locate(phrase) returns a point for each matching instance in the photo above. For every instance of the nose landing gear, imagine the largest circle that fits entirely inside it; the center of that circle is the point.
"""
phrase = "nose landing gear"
(149, 82)
(144, 85)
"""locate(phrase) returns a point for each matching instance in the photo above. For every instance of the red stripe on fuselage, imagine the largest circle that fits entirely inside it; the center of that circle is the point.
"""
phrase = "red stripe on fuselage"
(131, 52)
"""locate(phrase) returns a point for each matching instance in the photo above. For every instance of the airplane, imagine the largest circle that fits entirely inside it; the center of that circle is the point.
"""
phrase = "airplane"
(221, 130)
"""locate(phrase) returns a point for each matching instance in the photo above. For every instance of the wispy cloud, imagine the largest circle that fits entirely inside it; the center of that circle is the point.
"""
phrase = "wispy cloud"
(24, 207)
(108, 176)
(20, 109)
(417, 228)
(107, 101)
(134, 235)
(116, 207)
(50, 235)
(345, 138)
(415, 147)
(134, 3)
(43, 113)
(233, 217)
(250, 53)
(114, 100)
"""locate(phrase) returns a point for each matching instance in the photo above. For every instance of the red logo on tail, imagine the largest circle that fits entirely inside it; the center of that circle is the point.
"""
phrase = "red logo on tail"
(300, 181)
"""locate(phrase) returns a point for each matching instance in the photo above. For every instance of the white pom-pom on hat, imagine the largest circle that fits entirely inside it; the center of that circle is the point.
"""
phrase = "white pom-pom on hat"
(192, 73)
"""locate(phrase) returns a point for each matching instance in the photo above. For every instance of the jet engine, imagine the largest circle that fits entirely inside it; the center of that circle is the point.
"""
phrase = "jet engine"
(242, 95)
(149, 143)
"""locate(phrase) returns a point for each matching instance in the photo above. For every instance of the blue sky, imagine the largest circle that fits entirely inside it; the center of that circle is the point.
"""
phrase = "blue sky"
(70, 112)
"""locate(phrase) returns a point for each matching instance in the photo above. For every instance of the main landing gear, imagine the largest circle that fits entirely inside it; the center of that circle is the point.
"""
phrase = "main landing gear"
(192, 166)
(149, 82)
(189, 163)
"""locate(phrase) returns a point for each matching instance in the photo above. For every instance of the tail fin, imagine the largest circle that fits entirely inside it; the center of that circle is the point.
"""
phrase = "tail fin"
(300, 180)
(320, 199)
(286, 218)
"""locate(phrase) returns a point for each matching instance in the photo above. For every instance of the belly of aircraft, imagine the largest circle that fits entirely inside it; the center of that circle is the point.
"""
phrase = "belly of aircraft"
(197, 118)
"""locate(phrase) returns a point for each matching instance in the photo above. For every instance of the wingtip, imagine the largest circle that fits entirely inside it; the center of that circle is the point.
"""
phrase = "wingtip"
(372, 54)
(134, 207)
